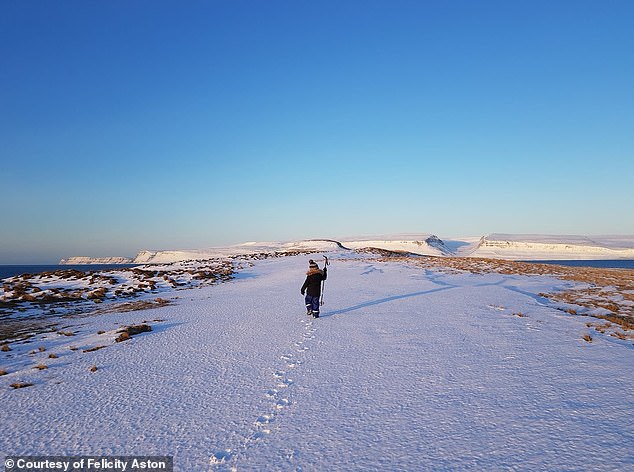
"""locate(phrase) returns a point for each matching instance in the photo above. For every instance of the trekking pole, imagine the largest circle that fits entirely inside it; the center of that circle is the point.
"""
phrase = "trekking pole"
(323, 283)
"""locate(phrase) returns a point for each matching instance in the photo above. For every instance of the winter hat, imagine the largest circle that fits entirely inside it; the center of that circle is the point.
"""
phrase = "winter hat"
(312, 264)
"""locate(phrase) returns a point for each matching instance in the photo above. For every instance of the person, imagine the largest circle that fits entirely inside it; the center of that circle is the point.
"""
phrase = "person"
(312, 287)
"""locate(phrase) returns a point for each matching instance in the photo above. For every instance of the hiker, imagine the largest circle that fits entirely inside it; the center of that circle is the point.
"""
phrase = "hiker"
(312, 287)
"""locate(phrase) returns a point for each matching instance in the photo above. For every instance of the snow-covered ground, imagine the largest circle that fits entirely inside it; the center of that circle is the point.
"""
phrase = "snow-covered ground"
(408, 369)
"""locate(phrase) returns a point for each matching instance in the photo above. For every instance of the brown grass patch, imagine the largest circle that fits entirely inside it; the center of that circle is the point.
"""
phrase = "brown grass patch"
(17, 385)
(53, 356)
(5, 348)
(137, 305)
(41, 349)
(138, 329)
(66, 333)
(41, 367)
(587, 337)
(97, 294)
(129, 331)
(93, 368)
(520, 314)
(625, 322)
(93, 349)
(597, 288)
(3, 372)
(122, 337)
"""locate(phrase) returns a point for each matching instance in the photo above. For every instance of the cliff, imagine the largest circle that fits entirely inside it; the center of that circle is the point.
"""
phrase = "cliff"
(548, 247)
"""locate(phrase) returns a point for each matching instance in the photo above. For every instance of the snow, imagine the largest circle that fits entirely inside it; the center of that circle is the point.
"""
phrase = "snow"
(414, 243)
(408, 369)
(79, 260)
(26, 296)
(615, 242)
(249, 248)
(496, 246)
(549, 247)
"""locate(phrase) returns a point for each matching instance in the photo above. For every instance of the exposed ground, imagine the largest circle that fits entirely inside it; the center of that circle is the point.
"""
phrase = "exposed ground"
(604, 294)
(36, 303)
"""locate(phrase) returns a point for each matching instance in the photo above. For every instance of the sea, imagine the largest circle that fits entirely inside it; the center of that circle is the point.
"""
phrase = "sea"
(11, 270)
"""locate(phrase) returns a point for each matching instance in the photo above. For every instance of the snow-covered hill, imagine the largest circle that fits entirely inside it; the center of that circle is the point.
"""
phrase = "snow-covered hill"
(162, 257)
(552, 247)
(423, 244)
(496, 246)
(82, 260)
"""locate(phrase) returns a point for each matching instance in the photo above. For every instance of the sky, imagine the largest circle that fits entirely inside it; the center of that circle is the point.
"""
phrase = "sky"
(173, 125)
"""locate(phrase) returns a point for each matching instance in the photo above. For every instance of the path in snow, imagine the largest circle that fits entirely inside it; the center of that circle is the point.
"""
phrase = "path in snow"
(406, 370)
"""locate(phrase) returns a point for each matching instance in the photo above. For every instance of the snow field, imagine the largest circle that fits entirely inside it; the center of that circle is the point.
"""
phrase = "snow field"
(407, 369)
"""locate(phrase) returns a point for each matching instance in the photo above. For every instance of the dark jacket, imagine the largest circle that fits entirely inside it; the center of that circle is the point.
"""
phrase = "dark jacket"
(312, 285)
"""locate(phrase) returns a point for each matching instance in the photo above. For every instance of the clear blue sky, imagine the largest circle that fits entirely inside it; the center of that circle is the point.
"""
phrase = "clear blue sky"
(150, 124)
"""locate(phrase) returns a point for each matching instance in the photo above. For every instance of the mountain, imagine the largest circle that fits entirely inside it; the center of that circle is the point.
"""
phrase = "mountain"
(552, 247)
(424, 244)
(495, 246)
(162, 257)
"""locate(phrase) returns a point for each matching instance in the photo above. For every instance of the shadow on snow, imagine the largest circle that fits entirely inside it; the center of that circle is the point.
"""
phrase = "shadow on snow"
(384, 300)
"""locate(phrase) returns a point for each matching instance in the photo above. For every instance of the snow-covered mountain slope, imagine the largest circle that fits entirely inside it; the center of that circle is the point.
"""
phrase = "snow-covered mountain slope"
(552, 247)
(496, 246)
(162, 257)
(81, 260)
(423, 244)
(408, 369)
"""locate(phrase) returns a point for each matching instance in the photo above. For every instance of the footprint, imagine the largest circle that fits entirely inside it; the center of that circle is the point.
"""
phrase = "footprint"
(264, 419)
(279, 374)
(289, 454)
(271, 393)
(285, 383)
(284, 402)
(220, 457)
(287, 357)
(260, 434)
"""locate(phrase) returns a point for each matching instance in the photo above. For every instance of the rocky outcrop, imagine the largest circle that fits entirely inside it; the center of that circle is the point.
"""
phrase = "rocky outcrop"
(423, 244)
